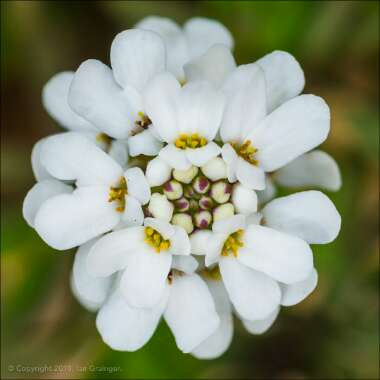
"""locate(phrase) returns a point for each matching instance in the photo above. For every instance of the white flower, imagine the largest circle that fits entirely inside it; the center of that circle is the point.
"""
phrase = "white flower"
(144, 257)
(186, 118)
(196, 37)
(104, 195)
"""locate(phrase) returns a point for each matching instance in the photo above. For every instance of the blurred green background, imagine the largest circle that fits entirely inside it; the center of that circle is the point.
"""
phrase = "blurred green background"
(332, 335)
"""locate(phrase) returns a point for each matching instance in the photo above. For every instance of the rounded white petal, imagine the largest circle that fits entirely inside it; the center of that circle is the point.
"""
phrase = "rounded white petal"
(160, 207)
(136, 56)
(200, 156)
(89, 289)
(39, 171)
(201, 33)
(144, 143)
(214, 248)
(314, 169)
(112, 252)
(283, 76)
(268, 193)
(137, 185)
(231, 158)
(133, 214)
(186, 264)
(244, 199)
(310, 215)
(72, 156)
(95, 96)
(230, 225)
(249, 175)
(40, 193)
(294, 128)
(253, 294)
(144, 280)
(162, 226)
(157, 172)
(190, 312)
(215, 169)
(175, 157)
(285, 258)
(214, 66)
(68, 220)
(125, 328)
(119, 152)
(295, 293)
(261, 326)
(55, 100)
(179, 242)
(198, 241)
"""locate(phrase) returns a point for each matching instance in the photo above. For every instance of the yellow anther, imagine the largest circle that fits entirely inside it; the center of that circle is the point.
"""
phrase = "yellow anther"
(155, 240)
(246, 151)
(233, 243)
(118, 193)
(190, 141)
(143, 121)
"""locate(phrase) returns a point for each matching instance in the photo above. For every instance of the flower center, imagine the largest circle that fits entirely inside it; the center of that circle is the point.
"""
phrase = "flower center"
(142, 123)
(155, 240)
(190, 141)
(247, 151)
(117, 194)
(233, 243)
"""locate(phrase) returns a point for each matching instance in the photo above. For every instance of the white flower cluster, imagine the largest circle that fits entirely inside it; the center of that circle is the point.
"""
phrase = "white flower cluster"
(165, 182)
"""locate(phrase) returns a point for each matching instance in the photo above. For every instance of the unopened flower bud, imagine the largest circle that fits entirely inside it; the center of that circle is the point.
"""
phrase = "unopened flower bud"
(221, 192)
(194, 206)
(206, 203)
(215, 169)
(185, 176)
(223, 211)
(184, 221)
(202, 219)
(160, 207)
(201, 185)
(188, 191)
(182, 204)
(173, 190)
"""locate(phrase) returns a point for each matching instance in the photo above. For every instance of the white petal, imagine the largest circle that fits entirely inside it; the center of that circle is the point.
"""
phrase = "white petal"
(160, 208)
(160, 99)
(133, 214)
(254, 218)
(144, 280)
(137, 185)
(245, 102)
(39, 171)
(283, 76)
(112, 252)
(55, 100)
(40, 193)
(166, 229)
(295, 293)
(175, 43)
(68, 220)
(190, 312)
(199, 157)
(119, 152)
(136, 56)
(88, 305)
(95, 96)
(215, 169)
(144, 143)
(88, 288)
(261, 326)
(200, 109)
(202, 33)
(268, 193)
(231, 159)
(284, 257)
(249, 175)
(310, 215)
(214, 248)
(186, 264)
(198, 241)
(253, 294)
(213, 66)
(71, 156)
(314, 169)
(125, 328)
(215, 345)
(175, 157)
(179, 242)
(229, 225)
(157, 172)
(244, 199)
(294, 128)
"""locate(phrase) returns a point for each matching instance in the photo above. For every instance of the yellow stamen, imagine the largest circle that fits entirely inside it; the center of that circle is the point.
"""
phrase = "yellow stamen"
(190, 141)
(118, 193)
(233, 243)
(143, 122)
(246, 151)
(155, 240)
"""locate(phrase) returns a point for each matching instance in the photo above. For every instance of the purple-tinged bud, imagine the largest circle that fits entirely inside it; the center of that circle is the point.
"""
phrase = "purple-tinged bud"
(184, 221)
(221, 191)
(173, 190)
(182, 204)
(185, 176)
(206, 203)
(188, 192)
(201, 185)
(223, 211)
(202, 219)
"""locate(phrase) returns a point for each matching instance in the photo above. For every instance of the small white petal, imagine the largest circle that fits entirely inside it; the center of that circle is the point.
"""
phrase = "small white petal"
(119, 152)
(314, 169)
(175, 157)
(250, 175)
(136, 56)
(112, 252)
(157, 172)
(214, 248)
(160, 207)
(244, 199)
(162, 226)
(230, 225)
(253, 294)
(133, 214)
(179, 242)
(254, 218)
(186, 264)
(215, 169)
(200, 156)
(268, 193)
(198, 241)
(231, 159)
(190, 312)
(125, 328)
(40, 193)
(284, 257)
(261, 326)
(144, 143)
(137, 185)
(295, 293)
(39, 171)
(310, 215)
(68, 220)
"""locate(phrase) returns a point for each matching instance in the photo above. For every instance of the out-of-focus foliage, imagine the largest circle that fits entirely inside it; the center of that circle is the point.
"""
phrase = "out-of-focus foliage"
(333, 334)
